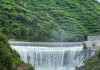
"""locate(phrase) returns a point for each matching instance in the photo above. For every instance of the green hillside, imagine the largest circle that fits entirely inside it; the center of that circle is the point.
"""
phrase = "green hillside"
(10, 59)
(49, 20)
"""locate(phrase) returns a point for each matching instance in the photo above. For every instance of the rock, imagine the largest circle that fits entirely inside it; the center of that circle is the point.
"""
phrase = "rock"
(97, 68)
(84, 46)
(80, 68)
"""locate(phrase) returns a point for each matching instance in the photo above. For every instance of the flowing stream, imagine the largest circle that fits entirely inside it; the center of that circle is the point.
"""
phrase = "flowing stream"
(58, 57)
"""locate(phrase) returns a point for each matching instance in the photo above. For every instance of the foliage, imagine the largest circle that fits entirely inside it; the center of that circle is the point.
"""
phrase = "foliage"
(49, 20)
(93, 63)
(9, 59)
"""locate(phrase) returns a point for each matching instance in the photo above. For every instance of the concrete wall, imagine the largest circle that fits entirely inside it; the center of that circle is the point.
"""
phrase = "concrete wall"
(91, 44)
(88, 44)
(93, 38)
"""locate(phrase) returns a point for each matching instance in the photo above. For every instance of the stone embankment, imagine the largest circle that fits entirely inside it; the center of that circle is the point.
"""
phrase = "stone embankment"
(94, 45)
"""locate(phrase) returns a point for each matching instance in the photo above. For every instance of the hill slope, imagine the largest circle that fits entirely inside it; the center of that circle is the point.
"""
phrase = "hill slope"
(49, 20)
(10, 59)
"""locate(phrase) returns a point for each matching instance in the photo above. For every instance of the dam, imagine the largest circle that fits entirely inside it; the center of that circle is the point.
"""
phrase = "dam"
(52, 56)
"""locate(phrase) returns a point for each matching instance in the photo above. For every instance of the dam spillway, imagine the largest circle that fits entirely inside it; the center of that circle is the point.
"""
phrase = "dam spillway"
(52, 56)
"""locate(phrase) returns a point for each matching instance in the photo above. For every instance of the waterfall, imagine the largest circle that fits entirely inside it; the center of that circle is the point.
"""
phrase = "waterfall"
(52, 58)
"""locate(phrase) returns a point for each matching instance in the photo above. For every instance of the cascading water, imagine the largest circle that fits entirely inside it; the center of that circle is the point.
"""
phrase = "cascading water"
(53, 58)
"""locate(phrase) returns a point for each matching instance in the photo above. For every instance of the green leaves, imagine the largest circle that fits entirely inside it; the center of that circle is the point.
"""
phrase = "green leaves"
(10, 59)
(40, 20)
(93, 63)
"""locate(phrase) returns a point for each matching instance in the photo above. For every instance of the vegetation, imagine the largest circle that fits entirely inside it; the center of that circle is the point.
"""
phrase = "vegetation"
(46, 20)
(93, 63)
(49, 20)
(9, 59)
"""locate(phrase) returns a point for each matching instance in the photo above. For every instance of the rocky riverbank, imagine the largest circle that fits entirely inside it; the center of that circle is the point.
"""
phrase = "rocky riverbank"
(92, 63)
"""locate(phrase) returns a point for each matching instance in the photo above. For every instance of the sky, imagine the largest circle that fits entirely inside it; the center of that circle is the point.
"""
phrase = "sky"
(98, 0)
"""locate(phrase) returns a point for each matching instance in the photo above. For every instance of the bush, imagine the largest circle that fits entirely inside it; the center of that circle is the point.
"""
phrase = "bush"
(5, 55)
(10, 59)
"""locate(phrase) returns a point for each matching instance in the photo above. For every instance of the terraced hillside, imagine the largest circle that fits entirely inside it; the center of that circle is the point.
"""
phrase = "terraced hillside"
(49, 20)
